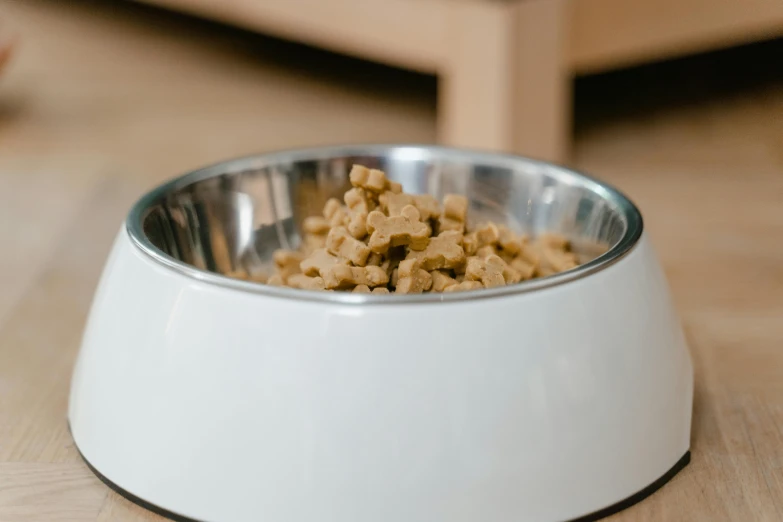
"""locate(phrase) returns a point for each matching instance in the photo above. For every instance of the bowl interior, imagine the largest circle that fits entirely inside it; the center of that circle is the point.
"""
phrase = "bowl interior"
(234, 215)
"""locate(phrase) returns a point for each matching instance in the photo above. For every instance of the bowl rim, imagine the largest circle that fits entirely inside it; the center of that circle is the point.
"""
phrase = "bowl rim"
(621, 203)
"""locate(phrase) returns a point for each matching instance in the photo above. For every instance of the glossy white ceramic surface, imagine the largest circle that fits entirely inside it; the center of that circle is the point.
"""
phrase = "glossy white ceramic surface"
(225, 405)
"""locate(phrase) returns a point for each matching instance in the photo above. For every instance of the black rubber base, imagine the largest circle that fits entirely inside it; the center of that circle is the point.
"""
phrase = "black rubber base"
(638, 496)
(597, 515)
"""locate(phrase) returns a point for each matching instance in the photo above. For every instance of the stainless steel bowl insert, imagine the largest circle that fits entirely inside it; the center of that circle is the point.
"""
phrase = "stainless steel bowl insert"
(235, 214)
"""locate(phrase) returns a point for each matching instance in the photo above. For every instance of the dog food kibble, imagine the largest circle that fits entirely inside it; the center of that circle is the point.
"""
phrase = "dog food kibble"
(488, 270)
(340, 243)
(372, 180)
(275, 280)
(427, 205)
(318, 261)
(465, 285)
(306, 282)
(454, 215)
(364, 289)
(403, 230)
(411, 278)
(379, 240)
(316, 225)
(344, 277)
(443, 251)
(287, 263)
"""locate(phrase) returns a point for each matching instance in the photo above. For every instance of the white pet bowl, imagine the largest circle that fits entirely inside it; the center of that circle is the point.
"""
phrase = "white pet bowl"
(213, 399)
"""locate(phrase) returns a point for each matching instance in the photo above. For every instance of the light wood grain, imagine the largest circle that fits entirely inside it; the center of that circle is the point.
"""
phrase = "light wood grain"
(505, 67)
(88, 108)
(70, 492)
(415, 33)
(409, 33)
(116, 507)
(504, 84)
(607, 34)
(475, 89)
(541, 88)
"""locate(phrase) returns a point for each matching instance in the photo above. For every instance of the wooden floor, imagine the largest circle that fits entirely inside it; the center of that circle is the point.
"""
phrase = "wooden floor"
(101, 103)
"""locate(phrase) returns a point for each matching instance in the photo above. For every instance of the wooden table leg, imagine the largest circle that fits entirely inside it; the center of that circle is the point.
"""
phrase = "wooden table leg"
(505, 84)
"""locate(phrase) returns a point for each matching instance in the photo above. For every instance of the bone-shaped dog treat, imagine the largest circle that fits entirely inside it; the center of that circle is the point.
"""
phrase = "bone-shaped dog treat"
(412, 279)
(553, 254)
(405, 229)
(343, 276)
(488, 234)
(260, 277)
(393, 258)
(357, 224)
(318, 261)
(454, 216)
(393, 203)
(340, 243)
(505, 256)
(409, 267)
(312, 242)
(491, 254)
(427, 205)
(555, 261)
(335, 213)
(529, 254)
(275, 280)
(441, 280)
(526, 262)
(488, 270)
(464, 286)
(470, 244)
(444, 251)
(340, 218)
(455, 207)
(256, 277)
(511, 274)
(553, 241)
(523, 267)
(360, 204)
(399, 254)
(315, 225)
(305, 282)
(359, 200)
(509, 241)
(283, 258)
(331, 206)
(287, 262)
(372, 179)
(490, 250)
(486, 251)
(364, 289)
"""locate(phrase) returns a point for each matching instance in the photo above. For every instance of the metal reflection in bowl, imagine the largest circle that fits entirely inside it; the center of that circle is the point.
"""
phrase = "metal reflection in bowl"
(234, 215)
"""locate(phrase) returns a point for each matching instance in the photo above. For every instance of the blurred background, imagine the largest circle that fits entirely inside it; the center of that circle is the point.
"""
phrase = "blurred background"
(679, 103)
(671, 104)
